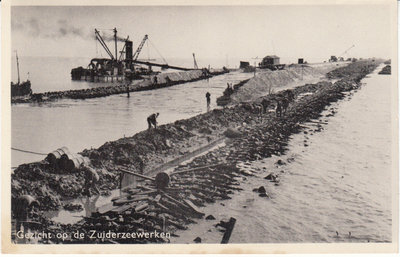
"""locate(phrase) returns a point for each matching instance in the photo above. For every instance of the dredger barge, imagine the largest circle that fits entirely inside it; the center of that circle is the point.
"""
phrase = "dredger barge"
(126, 66)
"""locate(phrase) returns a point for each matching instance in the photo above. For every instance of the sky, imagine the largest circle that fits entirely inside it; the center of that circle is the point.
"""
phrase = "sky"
(312, 32)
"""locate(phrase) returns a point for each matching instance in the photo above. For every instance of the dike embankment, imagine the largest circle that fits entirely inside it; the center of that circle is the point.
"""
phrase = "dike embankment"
(217, 174)
(268, 82)
(163, 80)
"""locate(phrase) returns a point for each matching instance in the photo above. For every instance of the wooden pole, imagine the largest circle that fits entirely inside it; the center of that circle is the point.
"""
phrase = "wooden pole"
(136, 174)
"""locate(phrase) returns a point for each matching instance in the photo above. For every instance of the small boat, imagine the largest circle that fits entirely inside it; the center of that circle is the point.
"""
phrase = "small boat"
(20, 89)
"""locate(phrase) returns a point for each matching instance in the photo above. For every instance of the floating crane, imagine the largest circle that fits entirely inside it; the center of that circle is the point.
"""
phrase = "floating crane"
(116, 68)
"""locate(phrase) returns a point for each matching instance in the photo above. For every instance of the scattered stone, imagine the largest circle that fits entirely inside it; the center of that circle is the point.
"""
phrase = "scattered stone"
(210, 217)
(197, 240)
(73, 207)
(232, 133)
(280, 162)
(272, 177)
(205, 130)
(261, 190)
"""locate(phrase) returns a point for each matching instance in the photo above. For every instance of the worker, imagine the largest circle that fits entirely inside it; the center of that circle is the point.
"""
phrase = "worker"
(229, 89)
(152, 120)
(127, 90)
(23, 208)
(204, 72)
(285, 105)
(265, 103)
(208, 97)
(91, 179)
(278, 108)
(155, 80)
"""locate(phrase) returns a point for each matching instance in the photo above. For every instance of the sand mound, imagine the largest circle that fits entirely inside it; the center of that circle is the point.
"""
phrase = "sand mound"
(268, 81)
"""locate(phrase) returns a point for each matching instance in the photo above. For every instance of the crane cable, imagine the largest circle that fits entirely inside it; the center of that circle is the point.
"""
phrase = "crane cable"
(158, 51)
(26, 151)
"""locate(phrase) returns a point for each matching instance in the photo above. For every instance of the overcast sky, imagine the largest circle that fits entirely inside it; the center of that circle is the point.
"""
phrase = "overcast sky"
(312, 32)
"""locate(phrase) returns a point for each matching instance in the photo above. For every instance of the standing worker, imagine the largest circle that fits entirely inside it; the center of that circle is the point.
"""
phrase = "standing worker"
(91, 179)
(127, 89)
(278, 108)
(152, 120)
(208, 96)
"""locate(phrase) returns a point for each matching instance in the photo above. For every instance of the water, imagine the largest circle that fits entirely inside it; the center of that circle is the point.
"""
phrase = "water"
(340, 182)
(81, 124)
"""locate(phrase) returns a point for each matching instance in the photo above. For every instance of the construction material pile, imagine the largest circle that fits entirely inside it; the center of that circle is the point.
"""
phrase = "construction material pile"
(268, 82)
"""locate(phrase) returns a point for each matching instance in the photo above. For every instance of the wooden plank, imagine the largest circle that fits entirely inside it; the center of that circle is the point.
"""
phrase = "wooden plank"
(141, 207)
(196, 168)
(135, 174)
(121, 202)
(105, 208)
(123, 208)
(119, 197)
(174, 200)
(193, 207)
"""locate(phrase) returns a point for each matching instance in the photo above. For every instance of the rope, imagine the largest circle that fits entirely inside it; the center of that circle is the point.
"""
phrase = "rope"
(25, 151)
(157, 50)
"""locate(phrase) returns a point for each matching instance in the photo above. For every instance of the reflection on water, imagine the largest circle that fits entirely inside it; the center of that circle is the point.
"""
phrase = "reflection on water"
(89, 204)
(340, 182)
(81, 124)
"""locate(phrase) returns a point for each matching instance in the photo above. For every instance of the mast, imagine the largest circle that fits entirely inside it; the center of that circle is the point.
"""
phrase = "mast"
(16, 54)
(115, 38)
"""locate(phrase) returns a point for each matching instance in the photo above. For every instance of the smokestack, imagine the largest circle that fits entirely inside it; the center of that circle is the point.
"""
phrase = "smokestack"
(128, 49)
